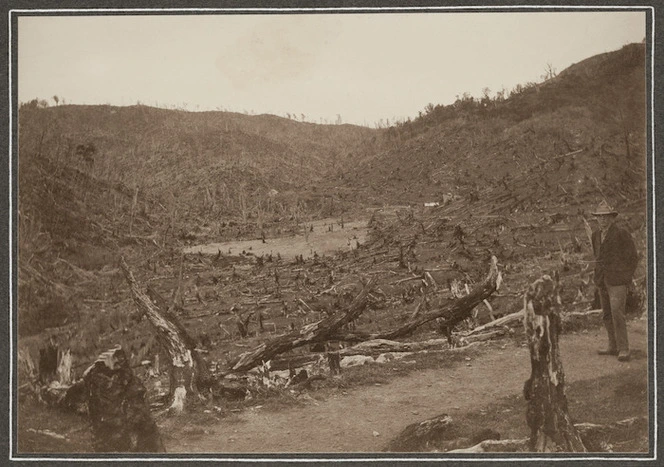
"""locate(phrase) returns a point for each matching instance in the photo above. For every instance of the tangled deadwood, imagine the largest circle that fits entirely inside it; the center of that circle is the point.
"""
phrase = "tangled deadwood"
(316, 332)
(189, 372)
(449, 314)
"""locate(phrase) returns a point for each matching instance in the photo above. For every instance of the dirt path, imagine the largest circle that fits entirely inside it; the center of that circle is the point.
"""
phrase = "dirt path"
(347, 422)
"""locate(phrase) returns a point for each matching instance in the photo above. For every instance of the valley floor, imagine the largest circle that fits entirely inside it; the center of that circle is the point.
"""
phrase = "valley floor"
(485, 390)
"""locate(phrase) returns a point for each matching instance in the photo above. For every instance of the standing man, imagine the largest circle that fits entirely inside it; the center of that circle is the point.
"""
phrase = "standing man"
(616, 259)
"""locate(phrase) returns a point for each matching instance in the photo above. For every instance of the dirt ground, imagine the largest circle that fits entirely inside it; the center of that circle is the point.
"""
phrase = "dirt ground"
(485, 387)
(326, 236)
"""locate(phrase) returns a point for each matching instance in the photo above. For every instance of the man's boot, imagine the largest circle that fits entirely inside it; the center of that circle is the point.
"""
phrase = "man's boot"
(612, 349)
(624, 356)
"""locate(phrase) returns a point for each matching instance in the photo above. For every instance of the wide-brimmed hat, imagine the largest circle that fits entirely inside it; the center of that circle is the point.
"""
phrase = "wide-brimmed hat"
(603, 209)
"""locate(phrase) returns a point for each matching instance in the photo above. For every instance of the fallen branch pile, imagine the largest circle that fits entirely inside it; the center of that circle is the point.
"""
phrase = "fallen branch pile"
(316, 332)
(187, 370)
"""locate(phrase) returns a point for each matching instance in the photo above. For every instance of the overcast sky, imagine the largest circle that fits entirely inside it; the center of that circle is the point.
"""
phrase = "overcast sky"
(364, 67)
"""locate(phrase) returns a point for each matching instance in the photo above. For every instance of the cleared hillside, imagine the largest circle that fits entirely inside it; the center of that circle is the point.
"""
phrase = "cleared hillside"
(97, 180)
(216, 157)
(568, 141)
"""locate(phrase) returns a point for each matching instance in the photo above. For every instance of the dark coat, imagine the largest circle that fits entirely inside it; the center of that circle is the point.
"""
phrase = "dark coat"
(616, 256)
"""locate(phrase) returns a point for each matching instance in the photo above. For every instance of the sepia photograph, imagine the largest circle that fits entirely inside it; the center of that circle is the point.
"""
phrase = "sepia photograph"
(332, 233)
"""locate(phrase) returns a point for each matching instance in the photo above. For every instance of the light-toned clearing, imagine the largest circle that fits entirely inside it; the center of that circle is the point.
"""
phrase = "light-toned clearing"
(321, 241)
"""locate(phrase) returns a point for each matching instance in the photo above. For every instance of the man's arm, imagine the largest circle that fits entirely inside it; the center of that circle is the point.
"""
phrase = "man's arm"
(621, 259)
(630, 255)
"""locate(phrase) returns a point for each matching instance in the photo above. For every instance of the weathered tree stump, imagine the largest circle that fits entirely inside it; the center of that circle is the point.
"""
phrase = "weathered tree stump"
(188, 370)
(48, 362)
(334, 362)
(63, 371)
(547, 414)
(118, 411)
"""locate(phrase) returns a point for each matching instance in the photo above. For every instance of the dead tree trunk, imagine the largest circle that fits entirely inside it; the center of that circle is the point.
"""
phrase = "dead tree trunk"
(118, 411)
(174, 339)
(202, 377)
(550, 425)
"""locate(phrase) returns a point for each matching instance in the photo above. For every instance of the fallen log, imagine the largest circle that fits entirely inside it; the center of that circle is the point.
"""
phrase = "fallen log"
(451, 314)
(367, 348)
(518, 316)
(485, 336)
(316, 332)
(502, 321)
(596, 437)
(375, 348)
(547, 416)
(581, 314)
(497, 445)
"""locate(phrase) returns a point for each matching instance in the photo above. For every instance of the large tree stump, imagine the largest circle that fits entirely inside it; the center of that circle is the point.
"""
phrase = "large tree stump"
(547, 414)
(118, 411)
(54, 373)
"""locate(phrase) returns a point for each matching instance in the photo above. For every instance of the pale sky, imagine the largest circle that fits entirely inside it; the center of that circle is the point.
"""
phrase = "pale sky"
(365, 67)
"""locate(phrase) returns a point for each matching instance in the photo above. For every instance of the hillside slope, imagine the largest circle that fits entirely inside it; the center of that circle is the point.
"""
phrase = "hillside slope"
(208, 160)
(98, 181)
(569, 141)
